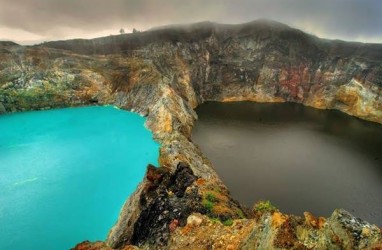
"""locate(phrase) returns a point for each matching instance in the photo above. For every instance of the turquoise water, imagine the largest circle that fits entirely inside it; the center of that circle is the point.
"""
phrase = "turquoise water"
(65, 174)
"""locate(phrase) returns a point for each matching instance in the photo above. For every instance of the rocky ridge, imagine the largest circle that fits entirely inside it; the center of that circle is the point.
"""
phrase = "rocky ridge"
(164, 74)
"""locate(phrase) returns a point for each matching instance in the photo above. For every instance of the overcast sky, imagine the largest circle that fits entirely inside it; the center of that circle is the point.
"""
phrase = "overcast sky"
(32, 21)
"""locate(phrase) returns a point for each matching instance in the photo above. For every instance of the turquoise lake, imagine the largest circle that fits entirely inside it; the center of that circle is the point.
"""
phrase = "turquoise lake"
(65, 174)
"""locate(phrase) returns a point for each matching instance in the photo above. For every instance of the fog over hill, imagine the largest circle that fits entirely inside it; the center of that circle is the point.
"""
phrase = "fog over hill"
(51, 20)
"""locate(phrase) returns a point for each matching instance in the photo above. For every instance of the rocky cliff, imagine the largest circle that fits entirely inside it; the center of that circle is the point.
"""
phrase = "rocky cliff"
(164, 74)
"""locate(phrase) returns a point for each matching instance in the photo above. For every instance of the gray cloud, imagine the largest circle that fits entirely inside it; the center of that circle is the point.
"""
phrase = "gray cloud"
(58, 19)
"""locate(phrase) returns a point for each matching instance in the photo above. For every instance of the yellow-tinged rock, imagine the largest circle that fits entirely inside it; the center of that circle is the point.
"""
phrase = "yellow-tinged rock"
(253, 98)
(278, 219)
(348, 96)
(321, 222)
(194, 220)
(310, 219)
(366, 231)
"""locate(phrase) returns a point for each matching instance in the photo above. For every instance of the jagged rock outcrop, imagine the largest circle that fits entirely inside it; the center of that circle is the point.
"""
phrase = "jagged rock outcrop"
(166, 199)
(164, 74)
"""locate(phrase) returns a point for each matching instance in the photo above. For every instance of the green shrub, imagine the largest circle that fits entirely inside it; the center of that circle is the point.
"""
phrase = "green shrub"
(211, 197)
(228, 222)
(240, 214)
(214, 219)
(208, 205)
(264, 206)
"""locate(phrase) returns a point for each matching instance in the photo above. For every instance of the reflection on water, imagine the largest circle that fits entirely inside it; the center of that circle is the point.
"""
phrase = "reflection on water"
(300, 158)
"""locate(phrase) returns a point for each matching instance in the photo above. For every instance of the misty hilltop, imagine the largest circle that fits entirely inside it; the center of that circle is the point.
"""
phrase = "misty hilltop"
(262, 29)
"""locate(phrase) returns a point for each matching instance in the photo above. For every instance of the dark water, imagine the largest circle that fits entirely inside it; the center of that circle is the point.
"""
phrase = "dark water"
(300, 158)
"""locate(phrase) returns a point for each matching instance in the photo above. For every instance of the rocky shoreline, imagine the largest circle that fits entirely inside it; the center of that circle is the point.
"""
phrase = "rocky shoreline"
(164, 74)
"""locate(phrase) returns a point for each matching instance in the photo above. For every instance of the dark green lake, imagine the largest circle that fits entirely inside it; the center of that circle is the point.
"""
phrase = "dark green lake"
(299, 158)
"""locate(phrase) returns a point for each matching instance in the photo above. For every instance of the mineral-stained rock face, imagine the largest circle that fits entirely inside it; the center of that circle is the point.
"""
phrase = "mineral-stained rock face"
(165, 73)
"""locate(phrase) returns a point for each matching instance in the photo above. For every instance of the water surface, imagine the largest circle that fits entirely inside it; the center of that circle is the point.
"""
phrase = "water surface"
(300, 158)
(65, 174)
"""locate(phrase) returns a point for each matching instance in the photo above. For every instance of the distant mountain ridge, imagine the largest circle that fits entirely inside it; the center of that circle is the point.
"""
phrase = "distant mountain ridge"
(189, 33)
(8, 44)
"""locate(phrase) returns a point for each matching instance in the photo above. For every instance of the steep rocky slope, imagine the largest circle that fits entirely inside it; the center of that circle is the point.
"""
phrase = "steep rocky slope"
(164, 74)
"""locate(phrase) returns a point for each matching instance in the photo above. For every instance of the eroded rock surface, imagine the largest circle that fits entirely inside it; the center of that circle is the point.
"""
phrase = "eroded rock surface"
(164, 74)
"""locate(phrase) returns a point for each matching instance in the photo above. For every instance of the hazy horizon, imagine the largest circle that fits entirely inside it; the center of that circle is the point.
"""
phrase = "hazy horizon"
(34, 21)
